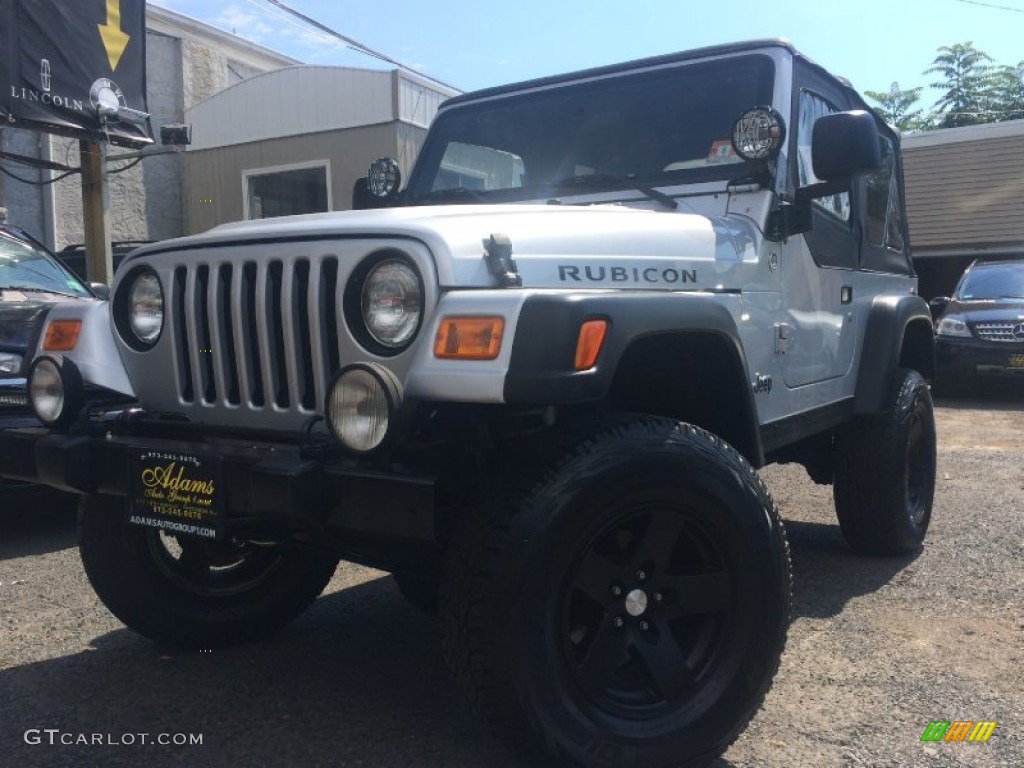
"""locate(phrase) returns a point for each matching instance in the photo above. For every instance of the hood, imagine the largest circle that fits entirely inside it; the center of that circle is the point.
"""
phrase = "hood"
(987, 311)
(594, 246)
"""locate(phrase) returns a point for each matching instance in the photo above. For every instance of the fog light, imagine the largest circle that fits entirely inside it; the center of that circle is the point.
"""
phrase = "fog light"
(54, 390)
(362, 404)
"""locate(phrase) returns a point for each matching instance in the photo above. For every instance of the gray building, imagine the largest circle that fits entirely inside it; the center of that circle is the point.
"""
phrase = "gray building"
(186, 62)
(296, 140)
(965, 199)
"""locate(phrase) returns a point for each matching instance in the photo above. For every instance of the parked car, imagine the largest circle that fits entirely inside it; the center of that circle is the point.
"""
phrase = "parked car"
(73, 256)
(980, 329)
(535, 386)
(32, 281)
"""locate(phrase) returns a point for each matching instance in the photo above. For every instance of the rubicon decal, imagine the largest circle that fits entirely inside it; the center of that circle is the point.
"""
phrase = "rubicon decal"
(589, 273)
(958, 730)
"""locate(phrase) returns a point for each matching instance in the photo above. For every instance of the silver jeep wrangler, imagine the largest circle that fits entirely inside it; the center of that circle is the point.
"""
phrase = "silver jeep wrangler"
(535, 385)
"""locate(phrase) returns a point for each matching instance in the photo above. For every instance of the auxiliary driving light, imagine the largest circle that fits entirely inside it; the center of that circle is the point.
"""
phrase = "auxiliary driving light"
(55, 391)
(362, 403)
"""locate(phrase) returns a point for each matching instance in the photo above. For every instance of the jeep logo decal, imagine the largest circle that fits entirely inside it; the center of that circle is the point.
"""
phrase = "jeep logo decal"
(595, 274)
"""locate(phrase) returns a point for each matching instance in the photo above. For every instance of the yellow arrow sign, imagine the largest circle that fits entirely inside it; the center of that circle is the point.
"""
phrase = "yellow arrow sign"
(114, 40)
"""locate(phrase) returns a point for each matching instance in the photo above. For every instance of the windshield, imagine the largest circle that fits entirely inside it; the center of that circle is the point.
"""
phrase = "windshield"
(24, 266)
(992, 281)
(660, 127)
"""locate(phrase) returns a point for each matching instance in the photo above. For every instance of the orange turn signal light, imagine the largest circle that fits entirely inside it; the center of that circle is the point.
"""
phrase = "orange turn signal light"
(588, 343)
(469, 337)
(61, 335)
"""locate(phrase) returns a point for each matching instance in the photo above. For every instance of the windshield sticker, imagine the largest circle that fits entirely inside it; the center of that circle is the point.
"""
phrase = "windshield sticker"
(722, 152)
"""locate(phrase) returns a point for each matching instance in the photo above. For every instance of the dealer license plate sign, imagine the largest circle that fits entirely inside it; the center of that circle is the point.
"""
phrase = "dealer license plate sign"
(181, 493)
(1015, 361)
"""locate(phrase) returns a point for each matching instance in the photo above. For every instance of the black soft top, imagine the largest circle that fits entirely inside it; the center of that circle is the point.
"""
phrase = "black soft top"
(651, 61)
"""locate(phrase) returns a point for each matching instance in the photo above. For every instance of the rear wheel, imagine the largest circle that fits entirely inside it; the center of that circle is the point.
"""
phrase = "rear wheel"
(885, 472)
(629, 608)
(191, 592)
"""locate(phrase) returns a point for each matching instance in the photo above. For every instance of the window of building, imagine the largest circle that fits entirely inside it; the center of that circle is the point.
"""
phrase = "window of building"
(813, 106)
(287, 190)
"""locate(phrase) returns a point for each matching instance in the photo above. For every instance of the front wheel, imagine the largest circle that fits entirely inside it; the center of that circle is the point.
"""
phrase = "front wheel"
(885, 472)
(189, 592)
(629, 607)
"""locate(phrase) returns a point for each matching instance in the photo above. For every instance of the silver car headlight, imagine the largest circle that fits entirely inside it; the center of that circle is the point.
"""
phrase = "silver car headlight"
(391, 302)
(952, 326)
(146, 307)
(10, 362)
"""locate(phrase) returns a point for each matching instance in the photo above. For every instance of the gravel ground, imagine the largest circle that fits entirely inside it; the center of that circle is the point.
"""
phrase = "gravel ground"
(877, 649)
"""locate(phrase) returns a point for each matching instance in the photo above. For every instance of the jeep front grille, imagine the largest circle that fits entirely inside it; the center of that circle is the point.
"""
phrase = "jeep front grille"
(999, 332)
(256, 333)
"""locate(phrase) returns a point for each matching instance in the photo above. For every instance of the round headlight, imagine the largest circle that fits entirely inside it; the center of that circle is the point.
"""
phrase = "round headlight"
(55, 390)
(46, 390)
(384, 178)
(758, 134)
(361, 405)
(392, 303)
(146, 307)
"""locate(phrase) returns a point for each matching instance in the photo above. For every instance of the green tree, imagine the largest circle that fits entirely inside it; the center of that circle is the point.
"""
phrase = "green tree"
(966, 84)
(894, 106)
(1007, 91)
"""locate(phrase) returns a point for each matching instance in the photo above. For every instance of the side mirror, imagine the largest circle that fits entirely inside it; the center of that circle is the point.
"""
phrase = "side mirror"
(844, 145)
(102, 290)
(938, 306)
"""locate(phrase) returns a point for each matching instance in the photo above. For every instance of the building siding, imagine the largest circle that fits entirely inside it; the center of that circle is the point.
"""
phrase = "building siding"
(963, 195)
(214, 176)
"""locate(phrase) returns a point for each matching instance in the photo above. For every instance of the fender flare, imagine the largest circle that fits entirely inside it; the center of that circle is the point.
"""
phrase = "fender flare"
(893, 322)
(541, 369)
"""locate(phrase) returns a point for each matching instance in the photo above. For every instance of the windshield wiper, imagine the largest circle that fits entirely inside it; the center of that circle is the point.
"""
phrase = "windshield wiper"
(34, 289)
(603, 179)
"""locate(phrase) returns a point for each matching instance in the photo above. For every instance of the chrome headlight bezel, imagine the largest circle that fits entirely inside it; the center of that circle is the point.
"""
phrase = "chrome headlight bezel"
(131, 301)
(387, 280)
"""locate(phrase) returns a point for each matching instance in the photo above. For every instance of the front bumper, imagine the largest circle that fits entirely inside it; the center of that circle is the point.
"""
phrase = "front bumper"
(359, 510)
(965, 359)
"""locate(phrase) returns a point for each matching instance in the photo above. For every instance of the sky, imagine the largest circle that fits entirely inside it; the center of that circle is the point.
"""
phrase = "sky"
(472, 44)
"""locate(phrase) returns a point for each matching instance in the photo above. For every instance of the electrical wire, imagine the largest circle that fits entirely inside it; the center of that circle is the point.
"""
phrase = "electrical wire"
(55, 179)
(992, 5)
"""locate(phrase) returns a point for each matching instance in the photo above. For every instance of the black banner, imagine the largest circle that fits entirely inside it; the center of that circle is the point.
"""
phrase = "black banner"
(75, 67)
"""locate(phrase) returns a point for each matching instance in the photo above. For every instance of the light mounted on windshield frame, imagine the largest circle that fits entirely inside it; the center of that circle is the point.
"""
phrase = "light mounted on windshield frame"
(758, 134)
(384, 178)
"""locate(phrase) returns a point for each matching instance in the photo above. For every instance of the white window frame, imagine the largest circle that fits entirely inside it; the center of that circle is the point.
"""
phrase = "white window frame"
(249, 172)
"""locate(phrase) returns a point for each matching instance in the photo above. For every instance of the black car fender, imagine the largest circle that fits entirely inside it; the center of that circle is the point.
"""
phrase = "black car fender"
(898, 334)
(703, 377)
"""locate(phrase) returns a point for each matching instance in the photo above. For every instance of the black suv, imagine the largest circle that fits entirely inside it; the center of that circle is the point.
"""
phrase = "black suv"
(31, 282)
(980, 330)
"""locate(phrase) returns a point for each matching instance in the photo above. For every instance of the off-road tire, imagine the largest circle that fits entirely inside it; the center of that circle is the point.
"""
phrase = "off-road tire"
(665, 513)
(199, 600)
(885, 472)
